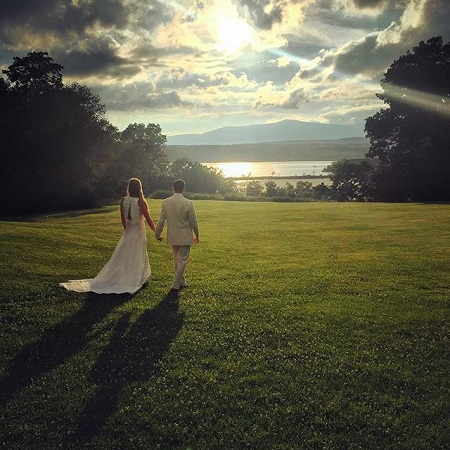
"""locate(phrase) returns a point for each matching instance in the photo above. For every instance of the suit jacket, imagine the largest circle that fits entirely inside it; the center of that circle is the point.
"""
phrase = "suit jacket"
(181, 219)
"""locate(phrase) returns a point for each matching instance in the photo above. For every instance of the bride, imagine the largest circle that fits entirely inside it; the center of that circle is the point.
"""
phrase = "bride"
(128, 269)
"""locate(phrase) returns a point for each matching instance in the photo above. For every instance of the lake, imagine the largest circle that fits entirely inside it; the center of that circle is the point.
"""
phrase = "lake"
(270, 168)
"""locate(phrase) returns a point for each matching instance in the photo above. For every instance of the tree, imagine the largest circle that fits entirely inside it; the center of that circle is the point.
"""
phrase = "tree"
(254, 189)
(351, 179)
(409, 139)
(271, 188)
(304, 189)
(143, 154)
(35, 72)
(56, 141)
(322, 192)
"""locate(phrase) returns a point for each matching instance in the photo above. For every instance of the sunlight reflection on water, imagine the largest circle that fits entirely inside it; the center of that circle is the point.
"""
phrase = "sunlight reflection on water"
(271, 168)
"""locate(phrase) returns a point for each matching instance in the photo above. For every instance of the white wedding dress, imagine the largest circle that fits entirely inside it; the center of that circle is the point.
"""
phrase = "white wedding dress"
(128, 269)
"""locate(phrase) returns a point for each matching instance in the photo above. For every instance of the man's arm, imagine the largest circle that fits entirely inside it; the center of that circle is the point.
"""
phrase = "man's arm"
(193, 222)
(161, 222)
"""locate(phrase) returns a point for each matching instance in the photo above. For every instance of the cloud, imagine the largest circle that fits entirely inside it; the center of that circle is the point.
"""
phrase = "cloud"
(436, 16)
(342, 81)
(181, 79)
(296, 98)
(316, 59)
(138, 96)
(93, 56)
(372, 55)
(364, 57)
(263, 13)
(59, 19)
(87, 37)
(369, 3)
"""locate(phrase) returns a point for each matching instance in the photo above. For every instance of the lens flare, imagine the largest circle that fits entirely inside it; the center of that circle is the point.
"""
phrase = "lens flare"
(419, 99)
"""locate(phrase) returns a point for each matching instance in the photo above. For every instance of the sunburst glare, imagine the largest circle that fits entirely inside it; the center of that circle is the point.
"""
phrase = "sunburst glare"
(233, 34)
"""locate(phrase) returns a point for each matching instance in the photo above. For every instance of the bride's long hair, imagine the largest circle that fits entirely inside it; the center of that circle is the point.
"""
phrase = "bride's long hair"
(134, 188)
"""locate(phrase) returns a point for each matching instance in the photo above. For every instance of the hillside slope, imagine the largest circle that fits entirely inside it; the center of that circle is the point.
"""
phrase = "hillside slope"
(285, 130)
(324, 150)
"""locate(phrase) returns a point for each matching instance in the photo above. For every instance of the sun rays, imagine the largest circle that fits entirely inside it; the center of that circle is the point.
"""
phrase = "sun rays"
(420, 99)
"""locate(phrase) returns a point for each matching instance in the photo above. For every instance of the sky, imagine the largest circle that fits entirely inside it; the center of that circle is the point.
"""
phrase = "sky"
(195, 66)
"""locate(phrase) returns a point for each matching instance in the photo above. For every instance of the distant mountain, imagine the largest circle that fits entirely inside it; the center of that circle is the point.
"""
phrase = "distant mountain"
(312, 150)
(286, 130)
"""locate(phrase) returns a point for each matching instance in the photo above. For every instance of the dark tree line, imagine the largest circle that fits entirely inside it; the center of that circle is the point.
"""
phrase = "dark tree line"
(409, 156)
(55, 139)
(300, 191)
(58, 150)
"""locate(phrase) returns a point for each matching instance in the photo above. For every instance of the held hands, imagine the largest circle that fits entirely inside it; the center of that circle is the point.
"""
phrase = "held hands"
(161, 238)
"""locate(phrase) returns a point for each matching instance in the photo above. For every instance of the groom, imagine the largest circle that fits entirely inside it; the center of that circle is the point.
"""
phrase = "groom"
(182, 230)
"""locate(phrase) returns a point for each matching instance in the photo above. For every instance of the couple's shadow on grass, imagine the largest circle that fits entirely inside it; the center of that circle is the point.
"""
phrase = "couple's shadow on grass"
(132, 354)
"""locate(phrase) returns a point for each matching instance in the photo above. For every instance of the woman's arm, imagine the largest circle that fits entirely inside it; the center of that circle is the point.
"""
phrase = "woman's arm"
(144, 210)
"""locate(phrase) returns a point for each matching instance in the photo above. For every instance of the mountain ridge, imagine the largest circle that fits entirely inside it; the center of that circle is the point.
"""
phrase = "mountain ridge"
(282, 131)
(301, 150)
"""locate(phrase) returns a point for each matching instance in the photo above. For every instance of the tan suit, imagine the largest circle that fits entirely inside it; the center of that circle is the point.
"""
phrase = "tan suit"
(182, 227)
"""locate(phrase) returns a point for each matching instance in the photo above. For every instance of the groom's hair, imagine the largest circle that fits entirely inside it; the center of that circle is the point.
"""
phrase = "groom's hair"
(178, 186)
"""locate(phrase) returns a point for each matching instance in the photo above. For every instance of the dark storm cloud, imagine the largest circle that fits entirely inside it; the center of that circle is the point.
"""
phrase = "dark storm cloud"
(94, 61)
(84, 36)
(145, 52)
(149, 14)
(365, 58)
(437, 14)
(369, 3)
(14, 10)
(336, 15)
(371, 58)
(167, 100)
(138, 96)
(60, 16)
(260, 18)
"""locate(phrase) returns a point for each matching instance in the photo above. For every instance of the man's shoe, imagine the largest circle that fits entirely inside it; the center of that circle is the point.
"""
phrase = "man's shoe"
(184, 286)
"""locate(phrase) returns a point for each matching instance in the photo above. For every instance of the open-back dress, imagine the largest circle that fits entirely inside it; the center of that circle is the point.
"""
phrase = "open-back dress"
(128, 269)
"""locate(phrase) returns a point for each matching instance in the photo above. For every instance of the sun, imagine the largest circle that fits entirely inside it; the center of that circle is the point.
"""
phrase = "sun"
(233, 34)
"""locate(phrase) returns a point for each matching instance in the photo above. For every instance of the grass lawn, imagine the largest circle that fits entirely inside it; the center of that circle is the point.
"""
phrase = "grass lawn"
(304, 326)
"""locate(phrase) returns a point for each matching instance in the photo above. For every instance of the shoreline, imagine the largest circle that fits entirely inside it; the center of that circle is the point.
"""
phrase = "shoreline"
(281, 181)
(279, 177)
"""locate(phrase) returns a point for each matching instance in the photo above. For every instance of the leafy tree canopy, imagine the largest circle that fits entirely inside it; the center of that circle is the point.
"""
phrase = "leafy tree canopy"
(144, 154)
(410, 137)
(34, 72)
(55, 139)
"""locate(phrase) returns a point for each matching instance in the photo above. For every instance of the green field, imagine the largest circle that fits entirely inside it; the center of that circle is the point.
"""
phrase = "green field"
(304, 326)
